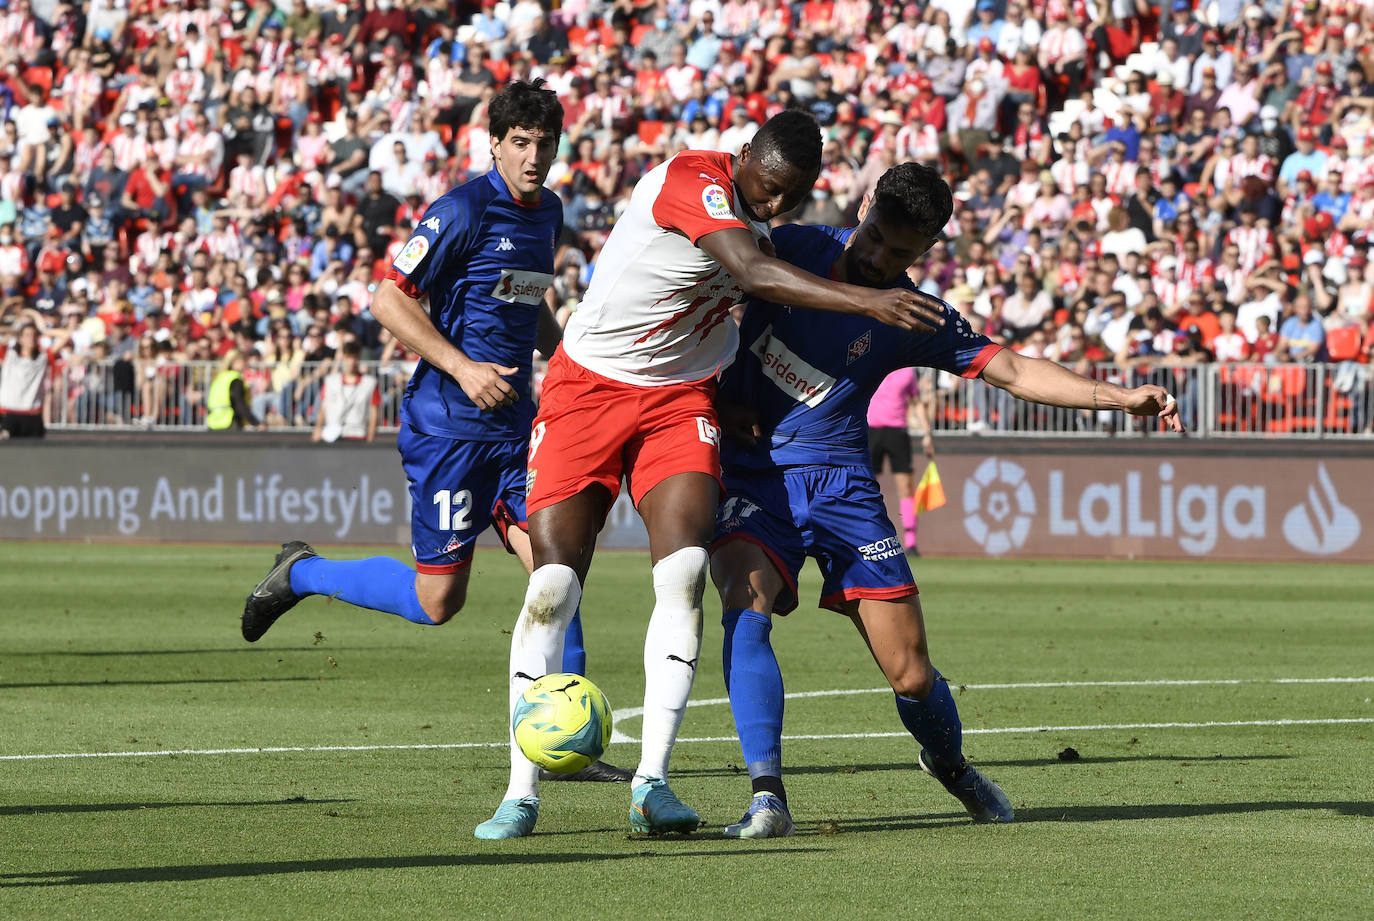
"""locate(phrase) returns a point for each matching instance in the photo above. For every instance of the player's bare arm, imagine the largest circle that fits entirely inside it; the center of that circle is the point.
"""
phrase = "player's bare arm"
(772, 279)
(483, 381)
(549, 334)
(1039, 380)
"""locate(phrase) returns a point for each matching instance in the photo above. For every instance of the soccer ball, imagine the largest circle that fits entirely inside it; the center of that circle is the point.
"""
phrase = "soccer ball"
(562, 723)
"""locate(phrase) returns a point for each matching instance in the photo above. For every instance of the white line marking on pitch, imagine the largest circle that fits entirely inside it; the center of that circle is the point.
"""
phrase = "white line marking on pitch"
(1006, 730)
(633, 712)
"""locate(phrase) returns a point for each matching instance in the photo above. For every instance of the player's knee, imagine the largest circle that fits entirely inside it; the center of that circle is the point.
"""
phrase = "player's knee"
(914, 680)
(440, 607)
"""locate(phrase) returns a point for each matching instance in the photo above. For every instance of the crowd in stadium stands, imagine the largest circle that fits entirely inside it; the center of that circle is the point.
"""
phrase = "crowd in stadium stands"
(183, 179)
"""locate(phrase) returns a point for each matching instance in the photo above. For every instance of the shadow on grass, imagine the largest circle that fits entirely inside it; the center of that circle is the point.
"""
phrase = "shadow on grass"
(1033, 814)
(1184, 810)
(154, 683)
(49, 808)
(732, 770)
(190, 872)
(188, 652)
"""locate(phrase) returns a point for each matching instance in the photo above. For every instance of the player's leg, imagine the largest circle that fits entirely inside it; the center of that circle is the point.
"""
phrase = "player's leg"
(754, 561)
(574, 471)
(749, 581)
(679, 513)
(894, 630)
(509, 517)
(905, 484)
(897, 446)
(451, 496)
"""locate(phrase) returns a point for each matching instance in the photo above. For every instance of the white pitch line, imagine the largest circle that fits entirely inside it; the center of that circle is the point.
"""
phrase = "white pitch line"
(633, 712)
(1006, 730)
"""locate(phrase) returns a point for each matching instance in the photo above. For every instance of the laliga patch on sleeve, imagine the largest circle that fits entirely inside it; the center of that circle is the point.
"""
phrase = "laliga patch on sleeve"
(412, 255)
(717, 203)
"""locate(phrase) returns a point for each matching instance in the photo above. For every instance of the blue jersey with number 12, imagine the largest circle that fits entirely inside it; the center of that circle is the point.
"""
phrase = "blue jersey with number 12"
(810, 374)
(484, 260)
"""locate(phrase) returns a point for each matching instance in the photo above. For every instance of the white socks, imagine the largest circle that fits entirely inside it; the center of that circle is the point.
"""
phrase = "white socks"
(671, 649)
(536, 649)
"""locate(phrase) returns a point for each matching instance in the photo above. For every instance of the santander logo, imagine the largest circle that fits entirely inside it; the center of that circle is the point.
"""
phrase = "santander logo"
(1322, 525)
(794, 375)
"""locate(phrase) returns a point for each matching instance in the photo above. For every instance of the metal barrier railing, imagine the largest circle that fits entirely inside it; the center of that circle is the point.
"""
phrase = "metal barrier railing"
(1224, 400)
(170, 396)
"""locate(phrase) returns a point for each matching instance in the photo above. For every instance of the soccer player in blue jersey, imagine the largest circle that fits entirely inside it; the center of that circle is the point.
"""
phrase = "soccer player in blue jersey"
(482, 257)
(800, 483)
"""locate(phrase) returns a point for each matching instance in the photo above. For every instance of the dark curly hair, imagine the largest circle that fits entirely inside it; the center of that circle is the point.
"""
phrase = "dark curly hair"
(915, 195)
(526, 105)
(791, 137)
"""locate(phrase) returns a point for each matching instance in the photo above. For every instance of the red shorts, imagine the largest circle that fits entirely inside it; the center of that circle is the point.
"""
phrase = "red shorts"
(591, 429)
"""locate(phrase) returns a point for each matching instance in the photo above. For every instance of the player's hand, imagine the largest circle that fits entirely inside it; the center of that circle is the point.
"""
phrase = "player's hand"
(1150, 400)
(928, 446)
(486, 386)
(904, 309)
(739, 422)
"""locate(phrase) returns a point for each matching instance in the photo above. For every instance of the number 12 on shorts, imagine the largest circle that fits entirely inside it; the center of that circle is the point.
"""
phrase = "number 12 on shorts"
(455, 509)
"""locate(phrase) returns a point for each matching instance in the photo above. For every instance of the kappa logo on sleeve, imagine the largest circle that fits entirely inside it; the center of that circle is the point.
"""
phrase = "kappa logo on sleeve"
(717, 203)
(432, 223)
(410, 257)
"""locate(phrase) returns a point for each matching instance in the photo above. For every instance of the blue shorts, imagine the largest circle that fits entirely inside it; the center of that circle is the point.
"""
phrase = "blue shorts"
(457, 489)
(834, 515)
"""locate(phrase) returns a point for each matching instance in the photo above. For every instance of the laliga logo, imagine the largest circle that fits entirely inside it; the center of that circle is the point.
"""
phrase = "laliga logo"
(1337, 527)
(998, 505)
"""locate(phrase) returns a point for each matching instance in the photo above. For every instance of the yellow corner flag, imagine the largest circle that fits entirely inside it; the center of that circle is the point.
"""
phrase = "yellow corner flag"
(930, 492)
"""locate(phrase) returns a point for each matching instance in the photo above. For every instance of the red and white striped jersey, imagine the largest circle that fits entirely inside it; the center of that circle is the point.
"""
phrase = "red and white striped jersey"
(1233, 279)
(196, 144)
(14, 261)
(1120, 177)
(432, 187)
(680, 80)
(82, 91)
(250, 183)
(1256, 245)
(84, 158)
(130, 150)
(1260, 166)
(658, 307)
(226, 243)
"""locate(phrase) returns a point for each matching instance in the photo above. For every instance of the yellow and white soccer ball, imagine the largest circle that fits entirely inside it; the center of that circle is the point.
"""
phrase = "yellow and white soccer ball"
(562, 723)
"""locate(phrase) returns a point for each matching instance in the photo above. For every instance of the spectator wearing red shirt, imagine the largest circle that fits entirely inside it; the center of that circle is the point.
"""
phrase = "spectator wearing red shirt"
(1314, 103)
(927, 108)
(383, 22)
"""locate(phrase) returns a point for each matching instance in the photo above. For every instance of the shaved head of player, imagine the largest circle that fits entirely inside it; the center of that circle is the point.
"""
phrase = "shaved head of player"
(776, 170)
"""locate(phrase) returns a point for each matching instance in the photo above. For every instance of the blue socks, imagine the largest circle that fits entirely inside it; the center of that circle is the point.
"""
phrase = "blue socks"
(934, 723)
(754, 683)
(387, 585)
(574, 653)
(379, 583)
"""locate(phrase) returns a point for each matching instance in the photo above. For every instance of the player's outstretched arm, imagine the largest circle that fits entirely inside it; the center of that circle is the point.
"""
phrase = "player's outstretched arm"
(772, 279)
(483, 381)
(1039, 380)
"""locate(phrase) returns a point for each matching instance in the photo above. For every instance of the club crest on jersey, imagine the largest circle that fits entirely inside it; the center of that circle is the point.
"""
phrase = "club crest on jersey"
(708, 433)
(529, 478)
(412, 254)
(517, 287)
(859, 347)
(717, 203)
(453, 544)
(432, 223)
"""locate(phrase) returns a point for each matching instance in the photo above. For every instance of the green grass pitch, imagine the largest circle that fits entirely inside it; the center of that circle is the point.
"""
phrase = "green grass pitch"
(112, 649)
